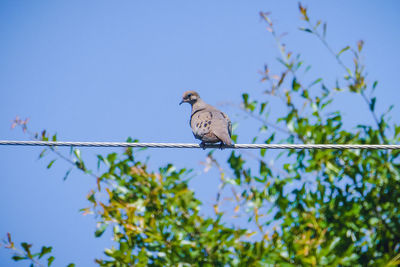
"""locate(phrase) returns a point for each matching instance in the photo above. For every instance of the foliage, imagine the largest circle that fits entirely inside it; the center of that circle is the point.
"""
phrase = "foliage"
(312, 207)
(25, 253)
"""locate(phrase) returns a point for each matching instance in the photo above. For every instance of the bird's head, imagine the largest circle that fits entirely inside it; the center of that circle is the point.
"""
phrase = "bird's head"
(190, 97)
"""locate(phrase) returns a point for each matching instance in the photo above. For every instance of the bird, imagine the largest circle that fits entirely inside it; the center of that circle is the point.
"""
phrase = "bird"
(208, 124)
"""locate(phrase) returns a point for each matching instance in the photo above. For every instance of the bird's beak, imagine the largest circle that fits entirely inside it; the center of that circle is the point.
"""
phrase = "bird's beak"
(181, 102)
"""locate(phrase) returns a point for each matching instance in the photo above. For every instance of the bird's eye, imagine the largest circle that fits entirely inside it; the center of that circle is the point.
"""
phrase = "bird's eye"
(189, 95)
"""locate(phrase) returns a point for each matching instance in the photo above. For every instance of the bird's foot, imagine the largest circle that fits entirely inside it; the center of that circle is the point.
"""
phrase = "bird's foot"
(221, 145)
(203, 145)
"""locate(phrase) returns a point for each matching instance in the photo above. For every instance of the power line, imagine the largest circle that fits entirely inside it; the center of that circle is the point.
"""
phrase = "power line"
(188, 145)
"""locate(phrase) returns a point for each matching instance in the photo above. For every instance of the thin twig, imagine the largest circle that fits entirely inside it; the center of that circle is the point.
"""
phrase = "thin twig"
(341, 63)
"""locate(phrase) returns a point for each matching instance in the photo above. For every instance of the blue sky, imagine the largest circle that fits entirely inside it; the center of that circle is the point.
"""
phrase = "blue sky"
(106, 70)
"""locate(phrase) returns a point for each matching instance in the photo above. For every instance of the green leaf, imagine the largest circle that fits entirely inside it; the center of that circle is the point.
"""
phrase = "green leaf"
(283, 62)
(373, 221)
(245, 98)
(295, 85)
(349, 72)
(236, 164)
(262, 107)
(360, 45)
(99, 160)
(80, 165)
(372, 104)
(252, 106)
(263, 169)
(71, 265)
(18, 258)
(67, 174)
(42, 154)
(50, 260)
(343, 50)
(315, 82)
(92, 198)
(234, 138)
(305, 94)
(26, 247)
(77, 153)
(374, 85)
(100, 230)
(396, 130)
(112, 157)
(43, 137)
(299, 64)
(45, 250)
(306, 30)
(51, 163)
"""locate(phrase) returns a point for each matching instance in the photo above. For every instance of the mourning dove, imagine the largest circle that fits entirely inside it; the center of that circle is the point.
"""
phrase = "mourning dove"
(208, 123)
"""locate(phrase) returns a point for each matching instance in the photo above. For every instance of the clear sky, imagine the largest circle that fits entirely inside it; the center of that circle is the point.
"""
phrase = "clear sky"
(106, 70)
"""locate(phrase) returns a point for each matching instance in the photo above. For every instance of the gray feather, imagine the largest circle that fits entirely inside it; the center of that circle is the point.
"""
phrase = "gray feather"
(209, 124)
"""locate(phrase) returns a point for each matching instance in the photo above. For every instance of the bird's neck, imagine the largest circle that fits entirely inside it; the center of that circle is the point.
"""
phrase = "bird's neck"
(199, 104)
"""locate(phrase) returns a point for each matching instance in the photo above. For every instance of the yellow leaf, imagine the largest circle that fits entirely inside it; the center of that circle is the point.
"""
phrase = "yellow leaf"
(216, 208)
(237, 208)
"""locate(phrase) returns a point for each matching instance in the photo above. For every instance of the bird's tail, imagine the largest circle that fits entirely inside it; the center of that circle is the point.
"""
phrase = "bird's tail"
(225, 138)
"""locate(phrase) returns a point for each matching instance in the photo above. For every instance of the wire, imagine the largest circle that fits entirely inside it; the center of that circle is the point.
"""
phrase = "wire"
(187, 145)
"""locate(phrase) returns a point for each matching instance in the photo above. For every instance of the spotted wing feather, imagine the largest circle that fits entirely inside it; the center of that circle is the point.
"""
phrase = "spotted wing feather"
(211, 126)
(201, 124)
(222, 128)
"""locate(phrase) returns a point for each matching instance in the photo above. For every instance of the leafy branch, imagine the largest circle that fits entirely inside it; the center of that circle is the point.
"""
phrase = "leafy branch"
(358, 84)
(25, 253)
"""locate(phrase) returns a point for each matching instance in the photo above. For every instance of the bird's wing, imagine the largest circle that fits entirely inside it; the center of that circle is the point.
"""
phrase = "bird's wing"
(201, 122)
(221, 127)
